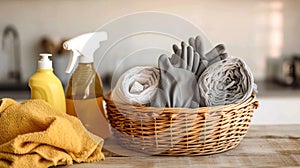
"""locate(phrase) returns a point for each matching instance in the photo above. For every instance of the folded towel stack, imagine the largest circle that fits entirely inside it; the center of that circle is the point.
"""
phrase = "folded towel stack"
(34, 134)
(136, 86)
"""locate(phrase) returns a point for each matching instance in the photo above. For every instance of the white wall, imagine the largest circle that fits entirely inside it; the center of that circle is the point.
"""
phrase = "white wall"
(246, 27)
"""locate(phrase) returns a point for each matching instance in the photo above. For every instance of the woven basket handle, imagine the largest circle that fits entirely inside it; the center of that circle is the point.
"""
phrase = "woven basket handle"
(256, 104)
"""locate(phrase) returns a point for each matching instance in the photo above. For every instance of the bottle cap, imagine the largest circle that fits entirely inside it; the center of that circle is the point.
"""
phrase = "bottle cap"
(45, 62)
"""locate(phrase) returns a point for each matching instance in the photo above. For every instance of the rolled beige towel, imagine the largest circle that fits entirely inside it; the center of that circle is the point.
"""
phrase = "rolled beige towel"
(225, 82)
(136, 86)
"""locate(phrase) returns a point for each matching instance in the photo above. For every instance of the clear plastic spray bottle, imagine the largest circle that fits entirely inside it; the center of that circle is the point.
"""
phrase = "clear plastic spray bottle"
(84, 94)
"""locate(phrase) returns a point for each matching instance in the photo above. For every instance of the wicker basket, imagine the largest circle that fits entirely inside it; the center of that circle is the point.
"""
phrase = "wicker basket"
(180, 131)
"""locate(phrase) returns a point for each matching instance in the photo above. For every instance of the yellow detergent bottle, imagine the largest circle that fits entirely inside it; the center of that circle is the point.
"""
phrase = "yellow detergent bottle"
(84, 94)
(45, 85)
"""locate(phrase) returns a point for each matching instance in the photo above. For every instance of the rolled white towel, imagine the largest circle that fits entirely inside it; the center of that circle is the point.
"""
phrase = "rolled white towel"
(136, 86)
(225, 82)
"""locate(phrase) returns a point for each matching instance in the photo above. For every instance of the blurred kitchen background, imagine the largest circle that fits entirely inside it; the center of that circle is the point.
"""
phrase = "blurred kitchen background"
(265, 33)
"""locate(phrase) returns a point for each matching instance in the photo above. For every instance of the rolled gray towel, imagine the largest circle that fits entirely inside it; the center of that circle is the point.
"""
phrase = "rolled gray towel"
(136, 86)
(225, 82)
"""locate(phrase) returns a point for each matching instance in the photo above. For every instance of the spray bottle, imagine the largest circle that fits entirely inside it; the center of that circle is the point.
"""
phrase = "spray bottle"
(84, 95)
(45, 85)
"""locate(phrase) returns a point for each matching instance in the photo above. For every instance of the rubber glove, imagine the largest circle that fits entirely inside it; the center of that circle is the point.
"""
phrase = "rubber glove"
(177, 86)
(214, 55)
(200, 60)
(188, 58)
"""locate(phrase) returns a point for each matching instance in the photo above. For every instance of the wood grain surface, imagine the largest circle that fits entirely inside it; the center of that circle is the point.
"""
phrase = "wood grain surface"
(263, 146)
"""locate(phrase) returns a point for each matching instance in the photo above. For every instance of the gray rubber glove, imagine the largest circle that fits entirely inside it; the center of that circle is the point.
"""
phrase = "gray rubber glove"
(197, 45)
(177, 86)
(214, 55)
(216, 59)
(188, 58)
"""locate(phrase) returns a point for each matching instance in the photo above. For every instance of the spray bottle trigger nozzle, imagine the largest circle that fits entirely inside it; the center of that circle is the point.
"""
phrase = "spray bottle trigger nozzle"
(72, 61)
(83, 48)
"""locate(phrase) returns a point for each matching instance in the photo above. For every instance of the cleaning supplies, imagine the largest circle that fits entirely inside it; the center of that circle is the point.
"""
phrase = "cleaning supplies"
(84, 95)
(45, 85)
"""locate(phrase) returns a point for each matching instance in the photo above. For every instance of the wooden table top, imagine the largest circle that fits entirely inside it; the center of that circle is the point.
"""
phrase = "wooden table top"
(263, 146)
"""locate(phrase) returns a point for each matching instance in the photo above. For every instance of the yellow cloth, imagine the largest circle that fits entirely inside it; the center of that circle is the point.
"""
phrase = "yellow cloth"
(34, 134)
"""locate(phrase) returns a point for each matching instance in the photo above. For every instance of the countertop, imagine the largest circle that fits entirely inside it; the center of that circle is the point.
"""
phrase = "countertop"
(263, 146)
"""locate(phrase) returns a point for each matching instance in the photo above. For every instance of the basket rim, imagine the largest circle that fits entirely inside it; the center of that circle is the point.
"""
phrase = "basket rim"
(251, 100)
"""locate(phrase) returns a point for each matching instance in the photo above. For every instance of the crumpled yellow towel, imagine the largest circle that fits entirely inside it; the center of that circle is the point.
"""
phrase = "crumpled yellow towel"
(34, 134)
